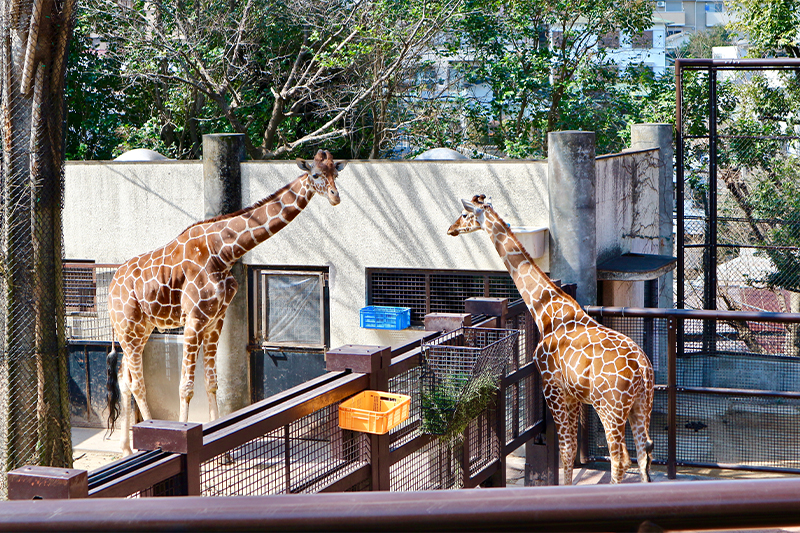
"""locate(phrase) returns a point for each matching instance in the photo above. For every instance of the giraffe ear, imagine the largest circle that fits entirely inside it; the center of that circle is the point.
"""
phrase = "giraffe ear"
(303, 164)
(340, 165)
(468, 206)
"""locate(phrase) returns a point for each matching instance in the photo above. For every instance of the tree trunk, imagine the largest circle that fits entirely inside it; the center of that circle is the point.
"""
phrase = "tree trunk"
(34, 422)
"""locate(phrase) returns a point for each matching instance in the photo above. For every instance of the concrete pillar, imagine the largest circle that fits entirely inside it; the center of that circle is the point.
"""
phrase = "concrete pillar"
(660, 136)
(222, 185)
(571, 187)
(222, 176)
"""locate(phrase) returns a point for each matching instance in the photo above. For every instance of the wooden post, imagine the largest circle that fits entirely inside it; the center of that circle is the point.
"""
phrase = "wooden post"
(375, 361)
(496, 307)
(185, 438)
(47, 483)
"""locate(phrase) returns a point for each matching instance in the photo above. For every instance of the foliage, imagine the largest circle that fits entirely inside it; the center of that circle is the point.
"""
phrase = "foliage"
(98, 108)
(772, 25)
(701, 43)
(533, 55)
(452, 403)
(290, 75)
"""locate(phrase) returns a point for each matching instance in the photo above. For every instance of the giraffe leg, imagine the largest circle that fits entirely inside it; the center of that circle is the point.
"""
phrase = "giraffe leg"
(210, 369)
(131, 383)
(615, 436)
(191, 345)
(125, 411)
(566, 415)
(639, 419)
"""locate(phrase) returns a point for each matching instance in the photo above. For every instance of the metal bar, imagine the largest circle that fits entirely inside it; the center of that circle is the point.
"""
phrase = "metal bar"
(694, 314)
(738, 64)
(350, 480)
(710, 279)
(743, 468)
(679, 193)
(740, 392)
(537, 428)
(672, 398)
(737, 504)
(139, 480)
(268, 403)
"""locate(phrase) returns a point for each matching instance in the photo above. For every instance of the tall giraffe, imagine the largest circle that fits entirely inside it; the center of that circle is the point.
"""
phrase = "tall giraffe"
(188, 283)
(580, 361)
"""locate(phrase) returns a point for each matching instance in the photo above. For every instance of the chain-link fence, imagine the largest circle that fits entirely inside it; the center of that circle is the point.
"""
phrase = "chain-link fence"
(34, 408)
(739, 185)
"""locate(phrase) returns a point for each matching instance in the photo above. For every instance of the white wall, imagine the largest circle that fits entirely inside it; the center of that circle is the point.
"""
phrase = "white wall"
(392, 214)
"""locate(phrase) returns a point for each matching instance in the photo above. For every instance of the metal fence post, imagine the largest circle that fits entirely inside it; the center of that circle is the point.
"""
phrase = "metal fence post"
(672, 395)
(185, 438)
(47, 483)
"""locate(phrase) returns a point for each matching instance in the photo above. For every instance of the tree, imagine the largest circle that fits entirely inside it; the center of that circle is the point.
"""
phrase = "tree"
(288, 74)
(35, 401)
(771, 25)
(531, 52)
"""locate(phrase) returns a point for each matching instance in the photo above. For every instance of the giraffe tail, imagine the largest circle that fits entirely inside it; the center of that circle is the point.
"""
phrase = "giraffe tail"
(112, 389)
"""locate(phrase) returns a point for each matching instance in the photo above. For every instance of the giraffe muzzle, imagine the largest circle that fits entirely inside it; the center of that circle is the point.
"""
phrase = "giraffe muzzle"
(333, 197)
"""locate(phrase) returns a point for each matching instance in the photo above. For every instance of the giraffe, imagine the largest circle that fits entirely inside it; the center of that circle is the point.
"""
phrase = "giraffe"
(580, 361)
(188, 283)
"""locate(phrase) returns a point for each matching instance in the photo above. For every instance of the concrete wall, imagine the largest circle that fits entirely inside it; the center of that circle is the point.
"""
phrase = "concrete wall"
(628, 199)
(393, 214)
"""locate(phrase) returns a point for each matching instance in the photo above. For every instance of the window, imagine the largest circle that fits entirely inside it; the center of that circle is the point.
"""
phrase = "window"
(289, 307)
(80, 287)
(435, 291)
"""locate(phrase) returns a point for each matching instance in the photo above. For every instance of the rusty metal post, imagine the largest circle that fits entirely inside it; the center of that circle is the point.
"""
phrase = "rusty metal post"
(185, 438)
(47, 483)
(672, 396)
(375, 361)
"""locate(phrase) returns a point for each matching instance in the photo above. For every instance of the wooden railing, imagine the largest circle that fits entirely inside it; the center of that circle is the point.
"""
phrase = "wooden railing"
(291, 442)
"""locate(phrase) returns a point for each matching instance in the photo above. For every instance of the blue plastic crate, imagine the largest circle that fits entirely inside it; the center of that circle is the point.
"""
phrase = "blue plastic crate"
(383, 317)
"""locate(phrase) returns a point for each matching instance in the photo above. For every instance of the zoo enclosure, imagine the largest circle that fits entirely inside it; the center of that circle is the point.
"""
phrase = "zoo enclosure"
(735, 407)
(738, 184)
(291, 442)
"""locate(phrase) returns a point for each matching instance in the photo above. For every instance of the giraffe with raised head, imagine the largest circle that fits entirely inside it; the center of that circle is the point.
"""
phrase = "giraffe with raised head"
(188, 283)
(581, 361)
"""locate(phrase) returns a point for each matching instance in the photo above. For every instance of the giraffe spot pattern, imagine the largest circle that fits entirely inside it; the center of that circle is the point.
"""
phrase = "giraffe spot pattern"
(187, 283)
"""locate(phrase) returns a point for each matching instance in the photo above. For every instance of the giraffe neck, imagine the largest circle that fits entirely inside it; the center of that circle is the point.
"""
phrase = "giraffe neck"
(549, 305)
(248, 228)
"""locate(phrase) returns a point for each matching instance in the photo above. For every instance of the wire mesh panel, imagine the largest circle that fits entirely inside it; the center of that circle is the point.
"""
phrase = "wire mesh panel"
(739, 218)
(34, 406)
(737, 383)
(460, 373)
(86, 298)
(304, 456)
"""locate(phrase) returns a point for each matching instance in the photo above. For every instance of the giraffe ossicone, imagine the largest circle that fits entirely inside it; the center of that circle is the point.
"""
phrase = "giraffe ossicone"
(581, 361)
(188, 283)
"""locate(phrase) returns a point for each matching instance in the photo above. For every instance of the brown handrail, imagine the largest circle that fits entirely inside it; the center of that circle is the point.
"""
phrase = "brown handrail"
(675, 506)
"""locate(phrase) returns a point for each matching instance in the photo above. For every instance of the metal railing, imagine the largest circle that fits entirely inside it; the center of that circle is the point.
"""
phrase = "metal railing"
(291, 442)
(728, 402)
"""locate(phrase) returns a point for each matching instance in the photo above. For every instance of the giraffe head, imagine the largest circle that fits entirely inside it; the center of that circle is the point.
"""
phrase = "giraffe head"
(473, 217)
(321, 174)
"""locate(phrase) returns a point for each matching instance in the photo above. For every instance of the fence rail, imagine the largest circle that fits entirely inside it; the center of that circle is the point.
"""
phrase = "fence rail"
(718, 403)
(291, 442)
(627, 507)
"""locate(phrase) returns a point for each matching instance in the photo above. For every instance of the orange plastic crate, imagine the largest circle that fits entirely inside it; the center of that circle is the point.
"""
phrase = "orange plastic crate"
(373, 411)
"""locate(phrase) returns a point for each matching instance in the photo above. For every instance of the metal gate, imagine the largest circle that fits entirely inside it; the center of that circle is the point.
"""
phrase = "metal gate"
(738, 184)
